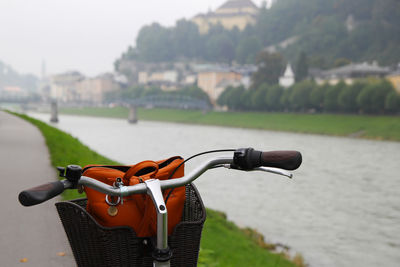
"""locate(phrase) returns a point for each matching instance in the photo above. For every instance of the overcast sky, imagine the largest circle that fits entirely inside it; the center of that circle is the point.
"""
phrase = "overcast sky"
(83, 35)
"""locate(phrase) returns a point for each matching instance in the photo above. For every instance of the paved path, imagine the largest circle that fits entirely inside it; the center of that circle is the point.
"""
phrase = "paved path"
(34, 233)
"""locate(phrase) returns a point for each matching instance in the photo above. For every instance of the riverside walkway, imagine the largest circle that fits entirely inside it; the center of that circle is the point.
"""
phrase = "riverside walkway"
(29, 236)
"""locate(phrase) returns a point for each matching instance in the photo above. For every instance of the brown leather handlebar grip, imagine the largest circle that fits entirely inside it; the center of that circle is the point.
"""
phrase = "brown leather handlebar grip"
(288, 160)
(40, 193)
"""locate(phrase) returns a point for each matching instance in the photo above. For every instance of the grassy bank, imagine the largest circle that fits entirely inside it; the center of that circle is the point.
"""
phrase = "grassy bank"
(223, 243)
(372, 127)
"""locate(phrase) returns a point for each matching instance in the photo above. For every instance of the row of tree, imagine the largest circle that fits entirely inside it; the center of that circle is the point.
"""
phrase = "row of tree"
(372, 97)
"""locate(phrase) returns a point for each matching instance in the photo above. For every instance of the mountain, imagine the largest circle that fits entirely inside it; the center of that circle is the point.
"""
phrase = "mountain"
(329, 32)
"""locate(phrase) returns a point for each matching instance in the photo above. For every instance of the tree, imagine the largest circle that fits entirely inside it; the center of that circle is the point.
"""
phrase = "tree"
(284, 100)
(132, 92)
(392, 102)
(247, 50)
(273, 97)
(154, 43)
(258, 97)
(331, 97)
(301, 67)
(245, 100)
(340, 62)
(186, 39)
(152, 91)
(317, 96)
(220, 48)
(223, 98)
(195, 92)
(364, 99)
(379, 94)
(347, 98)
(232, 97)
(299, 99)
(270, 67)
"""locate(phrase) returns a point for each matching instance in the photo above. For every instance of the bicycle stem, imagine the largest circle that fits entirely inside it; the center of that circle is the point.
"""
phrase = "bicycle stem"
(162, 253)
(154, 191)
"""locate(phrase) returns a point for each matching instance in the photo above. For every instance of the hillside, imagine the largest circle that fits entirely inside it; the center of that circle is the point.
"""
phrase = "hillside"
(357, 30)
(10, 77)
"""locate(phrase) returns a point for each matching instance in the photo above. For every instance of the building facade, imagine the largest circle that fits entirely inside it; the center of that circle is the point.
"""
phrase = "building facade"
(63, 86)
(214, 82)
(288, 78)
(233, 13)
(74, 87)
(94, 90)
(350, 73)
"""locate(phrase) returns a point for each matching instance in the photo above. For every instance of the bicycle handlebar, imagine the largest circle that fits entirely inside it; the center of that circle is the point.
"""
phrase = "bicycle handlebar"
(41, 193)
(165, 184)
(243, 159)
(248, 159)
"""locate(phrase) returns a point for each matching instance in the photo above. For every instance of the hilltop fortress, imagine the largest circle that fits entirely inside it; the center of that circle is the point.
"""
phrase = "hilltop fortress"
(233, 13)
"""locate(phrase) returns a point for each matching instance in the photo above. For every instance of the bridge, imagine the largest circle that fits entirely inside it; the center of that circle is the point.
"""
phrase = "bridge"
(157, 101)
(166, 101)
(18, 99)
(174, 101)
(163, 101)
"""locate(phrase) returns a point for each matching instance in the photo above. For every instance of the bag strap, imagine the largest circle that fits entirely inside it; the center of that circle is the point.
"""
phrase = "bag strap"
(116, 167)
(148, 168)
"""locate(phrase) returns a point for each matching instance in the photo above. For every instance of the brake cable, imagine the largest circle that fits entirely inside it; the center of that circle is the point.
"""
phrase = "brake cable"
(199, 154)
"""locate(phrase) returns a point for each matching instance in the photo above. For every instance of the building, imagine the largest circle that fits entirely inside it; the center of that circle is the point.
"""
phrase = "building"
(233, 13)
(166, 80)
(74, 87)
(94, 90)
(63, 86)
(215, 81)
(246, 72)
(394, 78)
(349, 73)
(288, 78)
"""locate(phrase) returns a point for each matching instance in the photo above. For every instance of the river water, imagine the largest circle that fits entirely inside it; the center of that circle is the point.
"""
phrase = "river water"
(341, 209)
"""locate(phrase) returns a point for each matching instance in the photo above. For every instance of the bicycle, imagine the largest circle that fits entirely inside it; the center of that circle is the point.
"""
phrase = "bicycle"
(115, 248)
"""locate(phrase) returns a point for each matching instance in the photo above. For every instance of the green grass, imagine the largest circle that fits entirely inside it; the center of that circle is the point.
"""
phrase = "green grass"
(65, 150)
(226, 245)
(372, 127)
(223, 243)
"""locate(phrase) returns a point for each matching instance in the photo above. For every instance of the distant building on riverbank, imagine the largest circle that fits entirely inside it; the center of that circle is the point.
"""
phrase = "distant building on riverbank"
(63, 86)
(215, 80)
(233, 13)
(74, 87)
(167, 80)
(288, 78)
(349, 73)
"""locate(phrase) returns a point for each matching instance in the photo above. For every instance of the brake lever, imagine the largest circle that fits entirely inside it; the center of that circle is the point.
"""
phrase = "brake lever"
(264, 169)
(275, 171)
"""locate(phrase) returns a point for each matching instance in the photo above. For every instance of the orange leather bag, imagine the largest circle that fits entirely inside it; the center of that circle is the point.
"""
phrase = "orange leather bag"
(136, 211)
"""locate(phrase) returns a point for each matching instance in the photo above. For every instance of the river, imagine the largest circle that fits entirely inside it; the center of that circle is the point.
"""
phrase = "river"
(342, 208)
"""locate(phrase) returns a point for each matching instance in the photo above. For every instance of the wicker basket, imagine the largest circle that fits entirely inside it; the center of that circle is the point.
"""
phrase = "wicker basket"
(95, 245)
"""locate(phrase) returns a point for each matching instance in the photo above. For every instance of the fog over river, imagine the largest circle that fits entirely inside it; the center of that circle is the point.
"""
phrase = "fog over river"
(341, 209)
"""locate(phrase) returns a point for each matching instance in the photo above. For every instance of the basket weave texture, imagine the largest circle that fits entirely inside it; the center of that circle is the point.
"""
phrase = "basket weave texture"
(95, 245)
